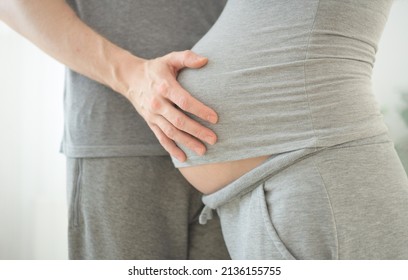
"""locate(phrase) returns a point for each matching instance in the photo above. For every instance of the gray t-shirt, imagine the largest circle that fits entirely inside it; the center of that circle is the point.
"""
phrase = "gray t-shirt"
(288, 74)
(102, 123)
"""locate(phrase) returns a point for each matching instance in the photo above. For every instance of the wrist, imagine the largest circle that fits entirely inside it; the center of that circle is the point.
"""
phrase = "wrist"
(125, 68)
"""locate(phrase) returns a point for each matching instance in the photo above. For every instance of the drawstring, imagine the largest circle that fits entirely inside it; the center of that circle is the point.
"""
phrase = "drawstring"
(206, 214)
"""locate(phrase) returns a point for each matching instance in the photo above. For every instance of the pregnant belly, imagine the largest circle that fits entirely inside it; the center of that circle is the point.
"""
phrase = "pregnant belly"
(209, 178)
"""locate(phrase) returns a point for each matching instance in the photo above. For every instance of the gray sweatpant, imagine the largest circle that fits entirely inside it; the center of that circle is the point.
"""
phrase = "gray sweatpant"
(344, 202)
(136, 208)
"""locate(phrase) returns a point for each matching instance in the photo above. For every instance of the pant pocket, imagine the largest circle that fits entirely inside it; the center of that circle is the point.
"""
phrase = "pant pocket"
(74, 186)
(246, 234)
(269, 227)
(298, 214)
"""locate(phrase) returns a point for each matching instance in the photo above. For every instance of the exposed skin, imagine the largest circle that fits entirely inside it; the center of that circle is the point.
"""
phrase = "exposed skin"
(150, 85)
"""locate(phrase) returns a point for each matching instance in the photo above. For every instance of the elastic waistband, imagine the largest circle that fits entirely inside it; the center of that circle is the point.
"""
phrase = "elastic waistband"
(255, 177)
(273, 165)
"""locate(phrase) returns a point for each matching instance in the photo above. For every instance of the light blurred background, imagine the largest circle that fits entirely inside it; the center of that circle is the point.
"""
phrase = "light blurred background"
(33, 215)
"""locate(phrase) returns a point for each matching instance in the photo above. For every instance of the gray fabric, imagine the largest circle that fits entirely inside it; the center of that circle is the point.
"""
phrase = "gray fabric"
(344, 202)
(136, 208)
(288, 74)
(101, 123)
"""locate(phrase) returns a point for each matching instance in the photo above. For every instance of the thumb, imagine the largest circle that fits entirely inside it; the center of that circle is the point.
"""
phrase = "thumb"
(180, 60)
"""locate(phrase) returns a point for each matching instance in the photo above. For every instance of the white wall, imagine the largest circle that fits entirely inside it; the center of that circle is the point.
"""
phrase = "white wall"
(391, 68)
(390, 77)
(32, 173)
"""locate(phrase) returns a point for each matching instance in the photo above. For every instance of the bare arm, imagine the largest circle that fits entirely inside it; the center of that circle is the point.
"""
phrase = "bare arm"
(150, 85)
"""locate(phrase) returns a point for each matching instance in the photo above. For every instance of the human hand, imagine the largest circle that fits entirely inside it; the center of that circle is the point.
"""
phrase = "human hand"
(161, 101)
(150, 85)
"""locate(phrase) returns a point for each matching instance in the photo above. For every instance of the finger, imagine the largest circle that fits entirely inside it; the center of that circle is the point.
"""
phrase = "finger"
(180, 60)
(180, 137)
(182, 122)
(168, 144)
(186, 102)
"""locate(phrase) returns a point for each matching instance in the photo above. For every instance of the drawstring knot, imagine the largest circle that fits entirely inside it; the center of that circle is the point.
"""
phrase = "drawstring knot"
(206, 214)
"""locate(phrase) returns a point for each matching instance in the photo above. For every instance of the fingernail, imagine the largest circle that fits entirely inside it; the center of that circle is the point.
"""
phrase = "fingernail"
(200, 151)
(198, 57)
(212, 119)
(210, 139)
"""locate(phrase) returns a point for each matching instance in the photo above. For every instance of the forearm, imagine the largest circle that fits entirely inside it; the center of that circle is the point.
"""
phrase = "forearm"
(150, 85)
(54, 27)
